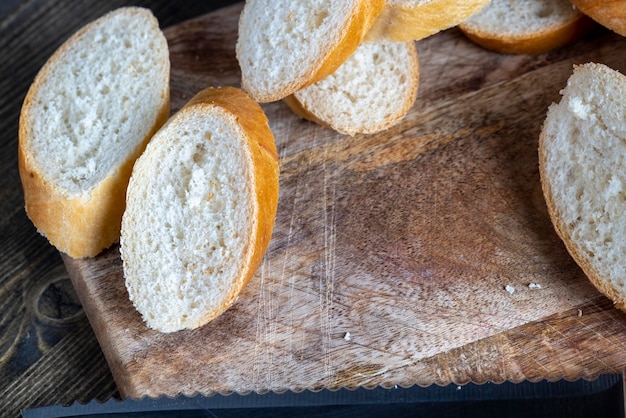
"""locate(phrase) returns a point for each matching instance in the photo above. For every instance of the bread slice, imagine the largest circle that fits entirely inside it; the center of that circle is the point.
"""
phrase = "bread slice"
(525, 26)
(609, 13)
(582, 155)
(201, 206)
(405, 20)
(370, 92)
(86, 118)
(286, 45)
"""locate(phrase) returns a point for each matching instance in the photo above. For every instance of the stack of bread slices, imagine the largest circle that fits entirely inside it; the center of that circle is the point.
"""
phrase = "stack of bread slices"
(348, 65)
(352, 65)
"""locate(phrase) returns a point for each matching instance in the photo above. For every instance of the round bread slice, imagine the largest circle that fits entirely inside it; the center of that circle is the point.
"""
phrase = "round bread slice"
(526, 26)
(406, 20)
(582, 155)
(200, 210)
(372, 91)
(609, 13)
(86, 118)
(285, 45)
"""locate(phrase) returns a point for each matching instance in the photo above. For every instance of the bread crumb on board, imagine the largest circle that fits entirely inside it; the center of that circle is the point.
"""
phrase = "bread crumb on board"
(534, 286)
(509, 288)
(347, 336)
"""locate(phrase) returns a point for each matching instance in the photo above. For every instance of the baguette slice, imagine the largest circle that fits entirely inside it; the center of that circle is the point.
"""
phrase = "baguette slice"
(406, 20)
(582, 155)
(86, 118)
(526, 26)
(609, 13)
(372, 91)
(285, 45)
(201, 206)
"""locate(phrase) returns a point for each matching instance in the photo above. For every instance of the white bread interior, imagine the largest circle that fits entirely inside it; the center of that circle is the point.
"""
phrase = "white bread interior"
(525, 26)
(201, 205)
(372, 91)
(285, 45)
(582, 155)
(86, 118)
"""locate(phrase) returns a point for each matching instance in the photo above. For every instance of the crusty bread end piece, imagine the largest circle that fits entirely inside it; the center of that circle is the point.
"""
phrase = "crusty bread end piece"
(85, 119)
(285, 45)
(582, 155)
(526, 26)
(372, 91)
(201, 206)
(406, 20)
(609, 13)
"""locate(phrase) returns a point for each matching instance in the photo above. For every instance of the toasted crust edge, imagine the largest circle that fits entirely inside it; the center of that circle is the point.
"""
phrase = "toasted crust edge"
(592, 273)
(534, 43)
(561, 230)
(309, 114)
(609, 13)
(259, 140)
(80, 227)
(261, 144)
(351, 36)
(404, 22)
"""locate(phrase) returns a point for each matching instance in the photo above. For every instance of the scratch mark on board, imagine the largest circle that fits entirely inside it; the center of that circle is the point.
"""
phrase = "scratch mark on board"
(326, 287)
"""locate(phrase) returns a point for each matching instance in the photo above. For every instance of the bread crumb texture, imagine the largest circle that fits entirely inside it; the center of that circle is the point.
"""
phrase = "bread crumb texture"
(370, 92)
(521, 17)
(282, 43)
(188, 220)
(95, 102)
(583, 155)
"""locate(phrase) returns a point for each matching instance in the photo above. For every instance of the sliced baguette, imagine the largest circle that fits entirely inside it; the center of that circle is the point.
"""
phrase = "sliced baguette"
(406, 20)
(86, 118)
(526, 26)
(609, 13)
(201, 206)
(370, 92)
(582, 154)
(286, 45)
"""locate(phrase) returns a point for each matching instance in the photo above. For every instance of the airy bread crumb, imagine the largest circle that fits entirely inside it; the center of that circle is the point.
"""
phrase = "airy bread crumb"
(201, 205)
(370, 92)
(87, 116)
(582, 155)
(284, 46)
(525, 26)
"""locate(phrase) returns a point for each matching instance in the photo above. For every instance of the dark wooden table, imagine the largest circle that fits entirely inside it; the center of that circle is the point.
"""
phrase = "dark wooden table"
(48, 352)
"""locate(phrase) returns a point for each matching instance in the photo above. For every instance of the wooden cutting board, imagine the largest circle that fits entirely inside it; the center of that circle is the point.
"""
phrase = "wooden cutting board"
(391, 253)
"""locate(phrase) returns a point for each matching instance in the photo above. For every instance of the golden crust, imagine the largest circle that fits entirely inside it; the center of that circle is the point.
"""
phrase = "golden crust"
(405, 22)
(339, 50)
(309, 114)
(83, 226)
(588, 265)
(533, 43)
(562, 230)
(298, 108)
(352, 36)
(265, 173)
(77, 226)
(609, 13)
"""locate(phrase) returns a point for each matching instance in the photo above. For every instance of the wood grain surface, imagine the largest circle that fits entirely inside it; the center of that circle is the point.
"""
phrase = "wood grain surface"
(48, 351)
(391, 253)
